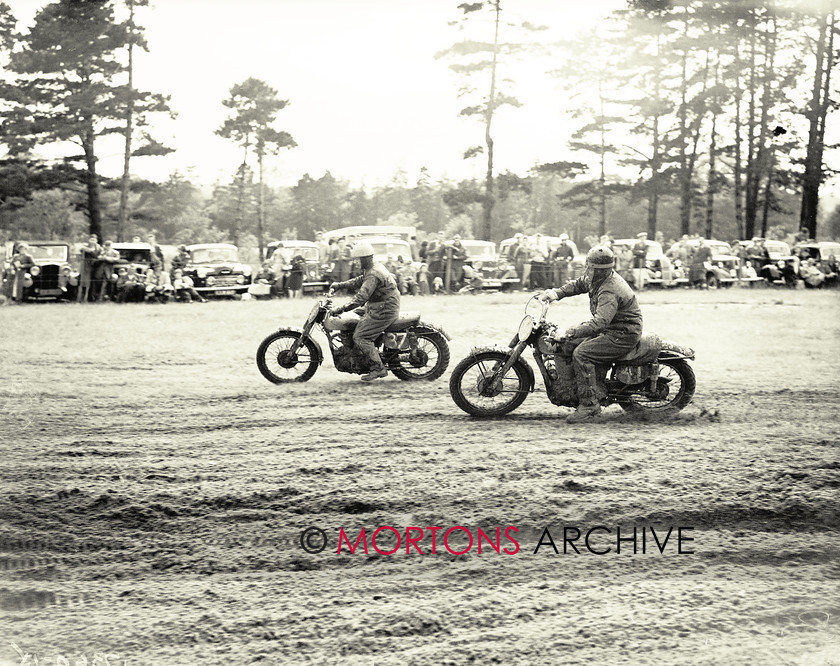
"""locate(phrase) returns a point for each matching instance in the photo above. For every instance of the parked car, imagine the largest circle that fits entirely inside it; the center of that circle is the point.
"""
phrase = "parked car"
(821, 251)
(660, 270)
(784, 265)
(215, 270)
(481, 255)
(136, 257)
(386, 247)
(314, 279)
(723, 267)
(52, 275)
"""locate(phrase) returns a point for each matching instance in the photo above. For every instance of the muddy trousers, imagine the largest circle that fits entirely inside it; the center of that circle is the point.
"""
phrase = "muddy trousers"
(602, 349)
(368, 329)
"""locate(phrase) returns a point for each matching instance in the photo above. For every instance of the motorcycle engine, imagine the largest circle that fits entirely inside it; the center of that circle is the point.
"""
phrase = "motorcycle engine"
(343, 359)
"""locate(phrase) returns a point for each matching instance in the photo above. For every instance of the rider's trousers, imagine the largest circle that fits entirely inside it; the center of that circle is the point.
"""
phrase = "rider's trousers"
(603, 348)
(377, 318)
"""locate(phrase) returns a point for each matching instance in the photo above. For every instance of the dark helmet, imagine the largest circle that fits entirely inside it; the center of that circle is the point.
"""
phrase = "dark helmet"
(600, 256)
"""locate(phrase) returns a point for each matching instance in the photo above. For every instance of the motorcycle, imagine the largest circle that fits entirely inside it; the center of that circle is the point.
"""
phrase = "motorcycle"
(655, 376)
(411, 349)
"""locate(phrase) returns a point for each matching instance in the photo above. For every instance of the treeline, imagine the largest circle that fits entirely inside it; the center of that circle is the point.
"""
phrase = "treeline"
(692, 116)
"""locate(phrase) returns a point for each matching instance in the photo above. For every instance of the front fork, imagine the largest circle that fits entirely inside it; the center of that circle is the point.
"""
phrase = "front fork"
(513, 357)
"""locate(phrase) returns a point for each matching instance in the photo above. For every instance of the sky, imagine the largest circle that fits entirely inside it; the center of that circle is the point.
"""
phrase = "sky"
(366, 95)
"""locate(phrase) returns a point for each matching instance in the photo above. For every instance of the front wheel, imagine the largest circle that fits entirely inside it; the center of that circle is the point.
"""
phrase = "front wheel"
(428, 361)
(674, 390)
(279, 364)
(474, 388)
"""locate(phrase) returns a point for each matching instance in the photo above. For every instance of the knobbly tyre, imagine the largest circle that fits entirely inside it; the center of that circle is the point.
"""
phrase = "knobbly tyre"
(654, 377)
(410, 348)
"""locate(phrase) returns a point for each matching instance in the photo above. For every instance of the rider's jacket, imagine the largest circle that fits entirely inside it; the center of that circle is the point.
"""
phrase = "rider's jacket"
(376, 285)
(613, 305)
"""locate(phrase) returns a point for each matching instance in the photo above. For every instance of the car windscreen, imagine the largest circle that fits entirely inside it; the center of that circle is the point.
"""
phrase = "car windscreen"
(135, 256)
(308, 253)
(49, 252)
(482, 252)
(383, 250)
(214, 255)
(720, 249)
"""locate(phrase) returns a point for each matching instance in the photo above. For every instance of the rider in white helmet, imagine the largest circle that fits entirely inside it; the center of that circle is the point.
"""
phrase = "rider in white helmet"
(378, 289)
(615, 327)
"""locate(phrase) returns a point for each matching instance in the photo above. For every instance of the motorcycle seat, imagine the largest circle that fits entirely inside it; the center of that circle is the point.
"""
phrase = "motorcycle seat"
(404, 320)
(646, 350)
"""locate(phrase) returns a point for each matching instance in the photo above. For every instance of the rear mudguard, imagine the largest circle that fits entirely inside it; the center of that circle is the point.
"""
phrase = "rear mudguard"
(294, 329)
(505, 351)
(671, 351)
(420, 325)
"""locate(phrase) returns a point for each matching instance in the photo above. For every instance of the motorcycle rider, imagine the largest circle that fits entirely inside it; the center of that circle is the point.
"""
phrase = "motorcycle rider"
(615, 327)
(378, 289)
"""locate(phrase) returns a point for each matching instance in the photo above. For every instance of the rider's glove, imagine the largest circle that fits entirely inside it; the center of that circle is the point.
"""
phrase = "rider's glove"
(564, 333)
(337, 312)
(549, 295)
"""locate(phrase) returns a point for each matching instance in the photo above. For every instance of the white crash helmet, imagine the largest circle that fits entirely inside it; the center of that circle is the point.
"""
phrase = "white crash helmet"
(361, 249)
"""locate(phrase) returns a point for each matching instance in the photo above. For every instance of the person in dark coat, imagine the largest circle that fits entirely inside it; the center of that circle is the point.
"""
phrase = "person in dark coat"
(614, 330)
(294, 283)
(697, 272)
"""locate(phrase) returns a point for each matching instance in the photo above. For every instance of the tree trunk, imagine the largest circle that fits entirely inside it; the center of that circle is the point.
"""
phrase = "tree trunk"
(489, 189)
(261, 211)
(94, 206)
(738, 168)
(750, 198)
(655, 162)
(129, 128)
(817, 112)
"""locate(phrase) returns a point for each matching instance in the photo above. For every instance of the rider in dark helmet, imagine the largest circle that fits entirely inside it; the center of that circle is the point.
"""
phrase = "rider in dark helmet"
(378, 288)
(614, 329)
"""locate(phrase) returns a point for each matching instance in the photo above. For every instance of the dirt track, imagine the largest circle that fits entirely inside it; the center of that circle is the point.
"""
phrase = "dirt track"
(154, 486)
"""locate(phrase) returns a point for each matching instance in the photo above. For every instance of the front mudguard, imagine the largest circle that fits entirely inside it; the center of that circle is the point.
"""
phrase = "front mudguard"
(505, 351)
(319, 354)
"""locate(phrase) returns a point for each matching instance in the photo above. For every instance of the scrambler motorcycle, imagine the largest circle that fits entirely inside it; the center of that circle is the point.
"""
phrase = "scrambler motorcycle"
(492, 381)
(411, 349)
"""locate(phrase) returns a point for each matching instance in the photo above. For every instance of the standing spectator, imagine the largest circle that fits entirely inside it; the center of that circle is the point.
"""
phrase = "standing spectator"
(523, 260)
(757, 254)
(180, 260)
(624, 262)
(423, 280)
(22, 261)
(434, 256)
(105, 271)
(561, 261)
(323, 247)
(640, 250)
(518, 256)
(539, 263)
(157, 252)
(294, 283)
(697, 272)
(801, 236)
(421, 252)
(90, 255)
(458, 257)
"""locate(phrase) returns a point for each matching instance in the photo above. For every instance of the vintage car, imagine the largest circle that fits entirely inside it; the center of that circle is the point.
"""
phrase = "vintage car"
(820, 251)
(722, 270)
(52, 277)
(215, 270)
(314, 279)
(659, 268)
(481, 256)
(784, 264)
(136, 257)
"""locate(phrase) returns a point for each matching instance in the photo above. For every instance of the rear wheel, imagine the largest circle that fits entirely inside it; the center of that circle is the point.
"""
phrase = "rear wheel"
(279, 364)
(674, 390)
(474, 390)
(429, 361)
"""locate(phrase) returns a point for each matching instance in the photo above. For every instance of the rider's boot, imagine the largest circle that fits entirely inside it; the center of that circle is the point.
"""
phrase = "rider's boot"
(589, 407)
(375, 373)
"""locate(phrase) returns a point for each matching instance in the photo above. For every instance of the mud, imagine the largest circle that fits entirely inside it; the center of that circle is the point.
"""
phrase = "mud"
(154, 487)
